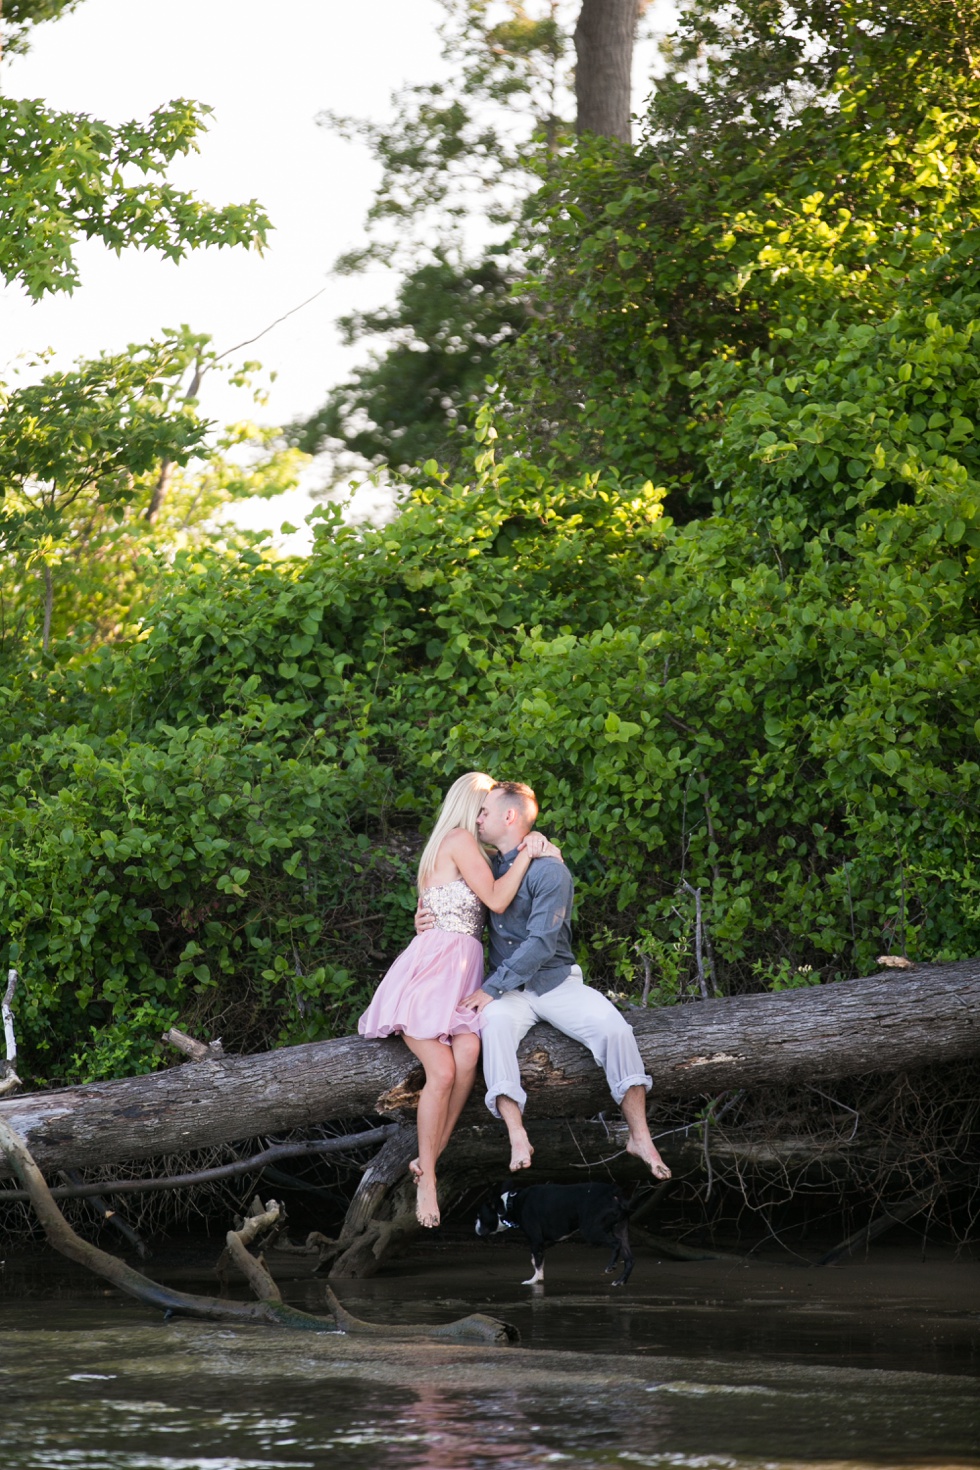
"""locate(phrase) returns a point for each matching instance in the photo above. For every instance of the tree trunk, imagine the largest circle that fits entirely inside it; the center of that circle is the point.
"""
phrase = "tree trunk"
(160, 490)
(48, 607)
(604, 59)
(882, 1024)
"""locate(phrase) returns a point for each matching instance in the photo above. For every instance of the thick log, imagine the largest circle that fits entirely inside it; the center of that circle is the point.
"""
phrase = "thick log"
(886, 1023)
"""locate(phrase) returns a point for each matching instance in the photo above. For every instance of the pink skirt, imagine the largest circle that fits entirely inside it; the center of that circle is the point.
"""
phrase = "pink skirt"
(420, 994)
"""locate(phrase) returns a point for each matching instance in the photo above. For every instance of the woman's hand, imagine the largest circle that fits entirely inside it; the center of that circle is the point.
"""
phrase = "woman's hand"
(537, 845)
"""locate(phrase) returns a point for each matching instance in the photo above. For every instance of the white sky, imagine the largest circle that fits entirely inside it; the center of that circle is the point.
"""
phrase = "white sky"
(267, 71)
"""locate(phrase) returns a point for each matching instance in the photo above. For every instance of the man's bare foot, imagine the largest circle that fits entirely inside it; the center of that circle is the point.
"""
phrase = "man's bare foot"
(415, 1169)
(520, 1154)
(427, 1204)
(647, 1153)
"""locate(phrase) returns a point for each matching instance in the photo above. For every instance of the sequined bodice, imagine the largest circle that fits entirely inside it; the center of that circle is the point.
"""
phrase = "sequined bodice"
(457, 908)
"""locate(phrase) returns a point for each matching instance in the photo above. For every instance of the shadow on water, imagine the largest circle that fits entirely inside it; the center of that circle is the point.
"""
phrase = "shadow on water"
(695, 1367)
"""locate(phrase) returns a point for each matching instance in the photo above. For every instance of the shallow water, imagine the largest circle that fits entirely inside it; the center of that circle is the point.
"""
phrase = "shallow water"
(695, 1367)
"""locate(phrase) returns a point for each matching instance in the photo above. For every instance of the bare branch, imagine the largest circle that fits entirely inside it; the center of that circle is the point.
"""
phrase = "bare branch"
(213, 1051)
(265, 330)
(251, 1165)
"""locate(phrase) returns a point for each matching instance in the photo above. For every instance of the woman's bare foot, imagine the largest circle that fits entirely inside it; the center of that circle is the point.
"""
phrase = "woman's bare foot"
(520, 1154)
(647, 1153)
(427, 1204)
(415, 1169)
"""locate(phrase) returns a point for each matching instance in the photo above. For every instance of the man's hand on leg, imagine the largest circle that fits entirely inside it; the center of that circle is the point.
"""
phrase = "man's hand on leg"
(475, 1002)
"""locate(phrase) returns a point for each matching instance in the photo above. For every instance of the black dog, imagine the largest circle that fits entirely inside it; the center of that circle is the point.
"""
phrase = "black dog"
(551, 1212)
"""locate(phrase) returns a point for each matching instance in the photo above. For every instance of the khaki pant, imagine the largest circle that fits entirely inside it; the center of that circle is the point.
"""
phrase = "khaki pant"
(572, 1007)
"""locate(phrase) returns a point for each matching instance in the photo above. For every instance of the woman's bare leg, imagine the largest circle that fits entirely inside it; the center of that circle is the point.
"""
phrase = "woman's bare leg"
(466, 1051)
(440, 1075)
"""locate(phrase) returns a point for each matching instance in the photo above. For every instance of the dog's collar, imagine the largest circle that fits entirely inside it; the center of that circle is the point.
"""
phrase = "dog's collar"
(505, 1200)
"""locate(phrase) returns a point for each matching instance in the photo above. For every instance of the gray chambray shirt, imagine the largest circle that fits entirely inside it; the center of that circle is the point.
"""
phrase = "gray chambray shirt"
(531, 941)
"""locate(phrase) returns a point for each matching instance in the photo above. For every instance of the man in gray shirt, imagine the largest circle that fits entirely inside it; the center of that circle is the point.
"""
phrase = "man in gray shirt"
(534, 977)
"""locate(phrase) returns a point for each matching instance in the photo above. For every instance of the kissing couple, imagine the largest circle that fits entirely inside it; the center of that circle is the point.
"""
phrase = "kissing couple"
(483, 855)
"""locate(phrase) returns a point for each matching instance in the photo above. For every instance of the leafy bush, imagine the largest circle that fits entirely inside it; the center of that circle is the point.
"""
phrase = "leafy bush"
(769, 699)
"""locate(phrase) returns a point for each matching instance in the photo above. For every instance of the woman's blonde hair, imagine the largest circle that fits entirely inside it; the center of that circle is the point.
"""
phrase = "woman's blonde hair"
(460, 809)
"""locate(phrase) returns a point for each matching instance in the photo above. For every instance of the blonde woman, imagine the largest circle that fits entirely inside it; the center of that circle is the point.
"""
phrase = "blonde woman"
(420, 996)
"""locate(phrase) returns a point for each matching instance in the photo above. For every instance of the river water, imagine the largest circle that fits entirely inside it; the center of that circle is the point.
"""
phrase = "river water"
(702, 1366)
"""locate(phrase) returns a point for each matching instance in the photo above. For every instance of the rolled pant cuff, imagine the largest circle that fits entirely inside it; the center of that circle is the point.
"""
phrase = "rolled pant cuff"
(513, 1090)
(623, 1087)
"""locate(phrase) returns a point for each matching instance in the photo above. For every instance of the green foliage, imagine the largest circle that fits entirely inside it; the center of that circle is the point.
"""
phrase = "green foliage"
(462, 147)
(404, 405)
(770, 698)
(734, 218)
(105, 471)
(198, 820)
(100, 425)
(460, 150)
(796, 740)
(66, 177)
(125, 864)
(21, 16)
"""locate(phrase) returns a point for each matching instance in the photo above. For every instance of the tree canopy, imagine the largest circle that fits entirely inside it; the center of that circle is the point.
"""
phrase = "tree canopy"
(704, 572)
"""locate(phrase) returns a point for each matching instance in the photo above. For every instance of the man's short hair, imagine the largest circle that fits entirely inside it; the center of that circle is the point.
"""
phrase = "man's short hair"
(520, 796)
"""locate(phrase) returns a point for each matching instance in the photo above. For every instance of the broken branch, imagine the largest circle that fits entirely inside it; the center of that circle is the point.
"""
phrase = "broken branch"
(9, 1080)
(198, 1051)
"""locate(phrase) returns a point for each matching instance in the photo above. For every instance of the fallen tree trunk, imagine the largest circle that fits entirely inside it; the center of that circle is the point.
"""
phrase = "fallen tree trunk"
(881, 1024)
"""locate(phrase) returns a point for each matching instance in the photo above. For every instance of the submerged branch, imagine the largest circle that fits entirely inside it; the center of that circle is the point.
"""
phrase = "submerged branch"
(271, 1310)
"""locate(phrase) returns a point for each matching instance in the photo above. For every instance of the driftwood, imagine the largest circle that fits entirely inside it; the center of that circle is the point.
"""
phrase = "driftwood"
(269, 1310)
(107, 1214)
(381, 1216)
(886, 1023)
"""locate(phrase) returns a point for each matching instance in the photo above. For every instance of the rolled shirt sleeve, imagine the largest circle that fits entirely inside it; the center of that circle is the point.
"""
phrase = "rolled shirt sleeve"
(552, 890)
